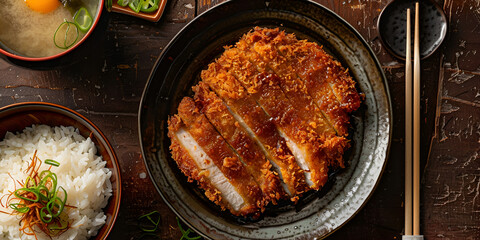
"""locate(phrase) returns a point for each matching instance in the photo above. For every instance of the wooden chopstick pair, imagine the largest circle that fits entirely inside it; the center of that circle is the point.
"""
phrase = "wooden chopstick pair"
(412, 204)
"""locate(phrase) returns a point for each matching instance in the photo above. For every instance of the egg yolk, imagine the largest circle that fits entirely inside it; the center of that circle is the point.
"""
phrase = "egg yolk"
(42, 6)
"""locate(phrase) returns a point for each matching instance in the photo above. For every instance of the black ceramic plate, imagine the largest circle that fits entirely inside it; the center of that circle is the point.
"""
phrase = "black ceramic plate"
(178, 69)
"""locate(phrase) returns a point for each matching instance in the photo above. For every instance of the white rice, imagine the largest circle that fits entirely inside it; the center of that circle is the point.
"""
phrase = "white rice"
(81, 172)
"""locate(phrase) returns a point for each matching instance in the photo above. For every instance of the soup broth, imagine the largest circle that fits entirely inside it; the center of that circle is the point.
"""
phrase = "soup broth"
(30, 33)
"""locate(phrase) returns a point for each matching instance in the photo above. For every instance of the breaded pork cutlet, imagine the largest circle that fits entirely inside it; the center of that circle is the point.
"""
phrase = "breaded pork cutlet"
(317, 59)
(251, 116)
(268, 121)
(305, 144)
(241, 141)
(330, 85)
(242, 193)
(266, 58)
(197, 166)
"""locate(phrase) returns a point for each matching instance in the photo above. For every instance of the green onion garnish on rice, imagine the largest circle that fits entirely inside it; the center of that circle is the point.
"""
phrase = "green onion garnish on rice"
(40, 203)
(52, 162)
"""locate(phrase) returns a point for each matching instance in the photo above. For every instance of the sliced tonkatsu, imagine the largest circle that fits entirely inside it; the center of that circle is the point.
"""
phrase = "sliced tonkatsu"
(206, 140)
(312, 56)
(304, 143)
(240, 140)
(249, 114)
(197, 166)
(269, 120)
(266, 58)
(326, 80)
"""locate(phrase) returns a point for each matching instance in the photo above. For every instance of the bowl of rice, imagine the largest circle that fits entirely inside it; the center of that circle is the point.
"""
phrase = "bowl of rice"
(47, 151)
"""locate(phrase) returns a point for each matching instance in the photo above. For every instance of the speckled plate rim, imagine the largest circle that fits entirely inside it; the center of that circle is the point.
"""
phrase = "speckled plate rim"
(45, 106)
(383, 83)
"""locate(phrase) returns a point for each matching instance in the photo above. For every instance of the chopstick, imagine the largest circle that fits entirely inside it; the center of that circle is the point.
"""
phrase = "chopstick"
(412, 206)
(408, 129)
(416, 124)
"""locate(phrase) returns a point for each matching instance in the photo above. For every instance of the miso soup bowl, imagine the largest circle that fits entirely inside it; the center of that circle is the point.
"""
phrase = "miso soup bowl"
(19, 59)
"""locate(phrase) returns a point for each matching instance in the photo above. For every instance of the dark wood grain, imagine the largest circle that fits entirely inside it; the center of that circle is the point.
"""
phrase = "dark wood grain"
(107, 84)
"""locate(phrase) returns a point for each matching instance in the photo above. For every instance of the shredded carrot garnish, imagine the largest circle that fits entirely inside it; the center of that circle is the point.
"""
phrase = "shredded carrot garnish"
(38, 201)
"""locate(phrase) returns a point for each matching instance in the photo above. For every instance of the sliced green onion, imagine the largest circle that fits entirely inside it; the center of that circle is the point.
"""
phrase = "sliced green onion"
(46, 217)
(66, 42)
(185, 234)
(152, 224)
(44, 173)
(18, 207)
(54, 204)
(29, 182)
(136, 5)
(123, 3)
(60, 204)
(83, 20)
(41, 202)
(150, 6)
(53, 179)
(43, 193)
(31, 190)
(52, 162)
(108, 5)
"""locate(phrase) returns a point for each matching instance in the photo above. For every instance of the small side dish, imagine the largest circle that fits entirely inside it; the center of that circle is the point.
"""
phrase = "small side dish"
(43, 28)
(268, 121)
(146, 6)
(53, 185)
(150, 10)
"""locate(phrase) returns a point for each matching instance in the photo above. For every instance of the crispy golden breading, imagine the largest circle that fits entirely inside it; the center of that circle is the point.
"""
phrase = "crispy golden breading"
(263, 54)
(327, 81)
(245, 106)
(265, 89)
(188, 166)
(239, 139)
(272, 113)
(222, 156)
(293, 87)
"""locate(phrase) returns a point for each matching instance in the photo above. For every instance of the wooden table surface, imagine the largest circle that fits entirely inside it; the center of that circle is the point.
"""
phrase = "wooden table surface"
(106, 86)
